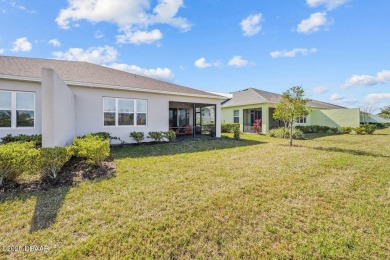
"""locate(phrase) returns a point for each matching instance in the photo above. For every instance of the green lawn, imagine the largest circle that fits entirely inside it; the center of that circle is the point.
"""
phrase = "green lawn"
(328, 197)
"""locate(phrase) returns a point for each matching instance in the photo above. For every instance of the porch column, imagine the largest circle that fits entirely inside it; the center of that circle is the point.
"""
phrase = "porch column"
(264, 119)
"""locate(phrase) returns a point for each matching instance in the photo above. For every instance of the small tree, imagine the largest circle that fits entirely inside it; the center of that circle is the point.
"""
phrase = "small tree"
(385, 112)
(365, 113)
(291, 106)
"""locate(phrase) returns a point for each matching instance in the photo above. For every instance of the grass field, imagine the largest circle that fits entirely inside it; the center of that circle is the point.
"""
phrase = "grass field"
(328, 197)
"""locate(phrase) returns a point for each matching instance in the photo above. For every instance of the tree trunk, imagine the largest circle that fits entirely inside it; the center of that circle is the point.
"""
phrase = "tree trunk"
(291, 134)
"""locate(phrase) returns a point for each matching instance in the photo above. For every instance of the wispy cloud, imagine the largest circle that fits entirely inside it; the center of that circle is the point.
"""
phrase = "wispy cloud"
(55, 42)
(238, 61)
(157, 73)
(330, 4)
(140, 37)
(96, 55)
(341, 100)
(202, 63)
(251, 25)
(320, 90)
(313, 23)
(292, 53)
(367, 80)
(374, 98)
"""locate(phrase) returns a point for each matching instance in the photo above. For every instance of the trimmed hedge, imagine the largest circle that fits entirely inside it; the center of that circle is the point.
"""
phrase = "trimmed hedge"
(90, 147)
(229, 128)
(22, 138)
(17, 158)
(316, 129)
(283, 132)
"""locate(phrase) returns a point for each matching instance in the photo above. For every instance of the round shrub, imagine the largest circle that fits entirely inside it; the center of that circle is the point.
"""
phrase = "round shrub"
(17, 158)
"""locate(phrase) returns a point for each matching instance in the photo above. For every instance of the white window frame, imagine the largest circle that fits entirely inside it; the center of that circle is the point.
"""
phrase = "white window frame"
(14, 110)
(234, 116)
(302, 120)
(117, 112)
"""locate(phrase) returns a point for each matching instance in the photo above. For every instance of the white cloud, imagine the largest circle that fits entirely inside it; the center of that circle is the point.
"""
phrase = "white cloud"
(22, 44)
(336, 97)
(293, 52)
(383, 76)
(130, 16)
(201, 63)
(340, 100)
(55, 42)
(367, 80)
(374, 98)
(320, 90)
(238, 61)
(330, 4)
(313, 23)
(140, 37)
(94, 54)
(158, 73)
(251, 25)
(1, 51)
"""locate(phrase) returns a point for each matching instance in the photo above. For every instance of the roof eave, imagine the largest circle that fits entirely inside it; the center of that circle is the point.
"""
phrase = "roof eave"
(96, 85)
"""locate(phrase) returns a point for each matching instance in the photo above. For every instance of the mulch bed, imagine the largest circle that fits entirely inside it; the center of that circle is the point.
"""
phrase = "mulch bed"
(73, 172)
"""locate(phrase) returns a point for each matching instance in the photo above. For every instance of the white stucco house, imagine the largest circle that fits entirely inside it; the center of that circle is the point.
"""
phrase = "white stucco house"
(64, 99)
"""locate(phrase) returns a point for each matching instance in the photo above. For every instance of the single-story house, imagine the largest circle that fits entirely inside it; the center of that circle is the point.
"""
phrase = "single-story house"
(252, 104)
(64, 99)
(373, 119)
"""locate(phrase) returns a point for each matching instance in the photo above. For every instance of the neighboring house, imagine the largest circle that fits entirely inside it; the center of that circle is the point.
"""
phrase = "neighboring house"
(64, 99)
(373, 119)
(252, 104)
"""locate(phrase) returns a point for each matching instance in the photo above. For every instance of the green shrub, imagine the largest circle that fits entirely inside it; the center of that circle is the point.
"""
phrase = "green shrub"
(17, 158)
(22, 138)
(229, 128)
(103, 135)
(170, 135)
(283, 132)
(323, 129)
(156, 136)
(365, 129)
(346, 129)
(360, 130)
(137, 136)
(53, 159)
(237, 132)
(316, 129)
(93, 148)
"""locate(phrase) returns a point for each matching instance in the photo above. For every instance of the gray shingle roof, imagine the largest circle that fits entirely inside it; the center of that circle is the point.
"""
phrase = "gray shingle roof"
(84, 72)
(253, 96)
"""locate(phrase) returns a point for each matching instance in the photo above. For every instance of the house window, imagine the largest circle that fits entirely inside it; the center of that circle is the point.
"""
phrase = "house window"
(17, 109)
(236, 116)
(301, 120)
(124, 111)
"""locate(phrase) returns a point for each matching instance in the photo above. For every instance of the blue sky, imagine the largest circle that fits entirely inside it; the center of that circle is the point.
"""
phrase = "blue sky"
(337, 50)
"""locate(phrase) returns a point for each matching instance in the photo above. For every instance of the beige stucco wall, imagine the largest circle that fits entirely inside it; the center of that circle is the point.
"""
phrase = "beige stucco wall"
(89, 111)
(12, 85)
(58, 111)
